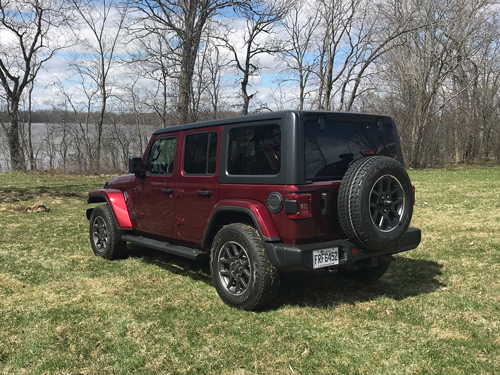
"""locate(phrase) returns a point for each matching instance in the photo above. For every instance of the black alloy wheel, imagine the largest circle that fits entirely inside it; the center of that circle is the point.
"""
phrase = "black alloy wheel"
(235, 270)
(100, 234)
(105, 236)
(387, 203)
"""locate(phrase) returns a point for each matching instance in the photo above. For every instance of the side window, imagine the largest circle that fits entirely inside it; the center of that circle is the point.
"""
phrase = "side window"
(255, 150)
(161, 156)
(200, 153)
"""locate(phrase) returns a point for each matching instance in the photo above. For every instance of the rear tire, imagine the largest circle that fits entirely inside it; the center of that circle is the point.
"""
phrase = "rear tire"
(105, 236)
(242, 274)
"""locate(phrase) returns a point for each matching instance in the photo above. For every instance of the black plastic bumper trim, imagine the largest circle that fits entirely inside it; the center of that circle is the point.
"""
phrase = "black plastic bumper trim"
(300, 257)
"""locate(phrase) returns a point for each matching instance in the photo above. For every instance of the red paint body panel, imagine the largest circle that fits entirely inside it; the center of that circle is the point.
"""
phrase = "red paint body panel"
(193, 210)
(258, 210)
(116, 201)
(291, 232)
(153, 211)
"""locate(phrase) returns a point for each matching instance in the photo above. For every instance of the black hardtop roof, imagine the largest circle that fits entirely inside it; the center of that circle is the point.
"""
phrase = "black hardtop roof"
(264, 117)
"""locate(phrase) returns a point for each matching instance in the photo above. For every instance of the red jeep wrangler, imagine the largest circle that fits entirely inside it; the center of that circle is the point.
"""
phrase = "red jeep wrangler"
(281, 191)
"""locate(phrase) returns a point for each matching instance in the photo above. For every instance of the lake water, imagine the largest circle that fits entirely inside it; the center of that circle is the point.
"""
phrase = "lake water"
(63, 146)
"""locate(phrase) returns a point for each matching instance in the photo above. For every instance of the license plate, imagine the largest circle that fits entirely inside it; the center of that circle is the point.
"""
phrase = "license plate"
(325, 257)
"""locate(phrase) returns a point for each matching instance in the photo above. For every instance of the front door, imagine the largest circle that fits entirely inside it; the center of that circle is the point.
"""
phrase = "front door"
(154, 195)
(198, 184)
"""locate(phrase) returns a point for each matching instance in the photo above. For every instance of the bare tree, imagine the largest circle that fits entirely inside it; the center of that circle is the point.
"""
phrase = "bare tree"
(134, 100)
(105, 21)
(300, 25)
(261, 18)
(337, 23)
(212, 63)
(354, 35)
(431, 78)
(186, 19)
(215, 64)
(476, 57)
(28, 43)
(154, 56)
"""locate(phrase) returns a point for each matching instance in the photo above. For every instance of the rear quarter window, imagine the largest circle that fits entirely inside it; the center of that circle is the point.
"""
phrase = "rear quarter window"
(254, 150)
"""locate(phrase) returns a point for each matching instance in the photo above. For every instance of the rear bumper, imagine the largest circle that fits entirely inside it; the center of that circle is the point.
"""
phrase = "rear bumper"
(288, 257)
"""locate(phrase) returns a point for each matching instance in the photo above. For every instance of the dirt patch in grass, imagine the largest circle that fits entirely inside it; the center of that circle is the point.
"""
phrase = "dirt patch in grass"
(449, 334)
(35, 208)
(23, 195)
(12, 284)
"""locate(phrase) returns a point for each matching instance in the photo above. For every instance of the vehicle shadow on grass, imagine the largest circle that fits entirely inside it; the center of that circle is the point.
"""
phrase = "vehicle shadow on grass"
(405, 278)
(198, 270)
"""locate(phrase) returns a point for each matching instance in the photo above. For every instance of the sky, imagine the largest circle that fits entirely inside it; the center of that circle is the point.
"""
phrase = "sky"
(56, 72)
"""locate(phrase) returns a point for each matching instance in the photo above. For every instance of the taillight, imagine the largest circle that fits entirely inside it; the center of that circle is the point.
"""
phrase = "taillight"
(298, 206)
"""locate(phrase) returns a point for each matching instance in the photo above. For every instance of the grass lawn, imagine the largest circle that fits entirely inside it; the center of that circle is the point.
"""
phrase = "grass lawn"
(65, 311)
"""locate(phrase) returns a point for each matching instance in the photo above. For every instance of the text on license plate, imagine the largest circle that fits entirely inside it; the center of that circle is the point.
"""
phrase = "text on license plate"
(325, 257)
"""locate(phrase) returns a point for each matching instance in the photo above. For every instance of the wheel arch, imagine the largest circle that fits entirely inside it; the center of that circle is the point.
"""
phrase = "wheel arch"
(116, 201)
(249, 213)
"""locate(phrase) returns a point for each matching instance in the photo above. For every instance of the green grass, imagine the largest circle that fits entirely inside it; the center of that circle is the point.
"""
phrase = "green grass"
(65, 311)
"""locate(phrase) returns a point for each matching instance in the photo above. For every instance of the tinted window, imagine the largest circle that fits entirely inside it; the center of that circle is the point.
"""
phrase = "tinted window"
(255, 150)
(329, 151)
(200, 153)
(161, 156)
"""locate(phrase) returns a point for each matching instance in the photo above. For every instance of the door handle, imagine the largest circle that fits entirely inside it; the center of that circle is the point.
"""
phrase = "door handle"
(167, 191)
(204, 193)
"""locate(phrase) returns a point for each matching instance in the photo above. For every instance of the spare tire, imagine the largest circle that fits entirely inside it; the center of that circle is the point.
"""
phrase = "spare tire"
(375, 202)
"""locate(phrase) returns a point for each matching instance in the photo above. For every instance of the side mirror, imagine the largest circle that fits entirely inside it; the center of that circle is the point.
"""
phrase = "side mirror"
(135, 166)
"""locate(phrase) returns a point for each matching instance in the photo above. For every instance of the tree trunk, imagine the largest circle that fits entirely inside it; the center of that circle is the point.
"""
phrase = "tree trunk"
(246, 97)
(30, 141)
(189, 54)
(16, 151)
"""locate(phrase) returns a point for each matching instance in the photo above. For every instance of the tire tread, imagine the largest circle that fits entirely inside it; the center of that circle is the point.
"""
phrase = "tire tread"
(117, 248)
(266, 288)
(356, 224)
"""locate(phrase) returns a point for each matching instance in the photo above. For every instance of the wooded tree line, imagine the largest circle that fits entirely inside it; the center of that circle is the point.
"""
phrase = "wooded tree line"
(127, 67)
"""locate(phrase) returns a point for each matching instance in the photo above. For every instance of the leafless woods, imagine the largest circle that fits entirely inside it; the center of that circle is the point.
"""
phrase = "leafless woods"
(83, 83)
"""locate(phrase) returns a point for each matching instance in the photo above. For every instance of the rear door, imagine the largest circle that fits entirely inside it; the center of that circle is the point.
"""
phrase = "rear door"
(153, 196)
(198, 183)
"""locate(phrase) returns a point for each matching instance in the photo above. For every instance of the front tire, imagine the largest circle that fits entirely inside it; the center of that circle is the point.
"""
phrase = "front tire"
(105, 236)
(241, 271)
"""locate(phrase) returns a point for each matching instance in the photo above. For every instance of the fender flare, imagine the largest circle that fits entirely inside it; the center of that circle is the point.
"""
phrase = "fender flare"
(257, 211)
(116, 201)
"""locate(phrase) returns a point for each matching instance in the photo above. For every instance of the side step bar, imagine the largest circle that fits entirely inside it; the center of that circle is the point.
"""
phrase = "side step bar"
(182, 251)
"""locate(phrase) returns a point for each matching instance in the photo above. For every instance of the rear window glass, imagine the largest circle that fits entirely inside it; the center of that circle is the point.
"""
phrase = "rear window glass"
(330, 151)
(255, 150)
(200, 153)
